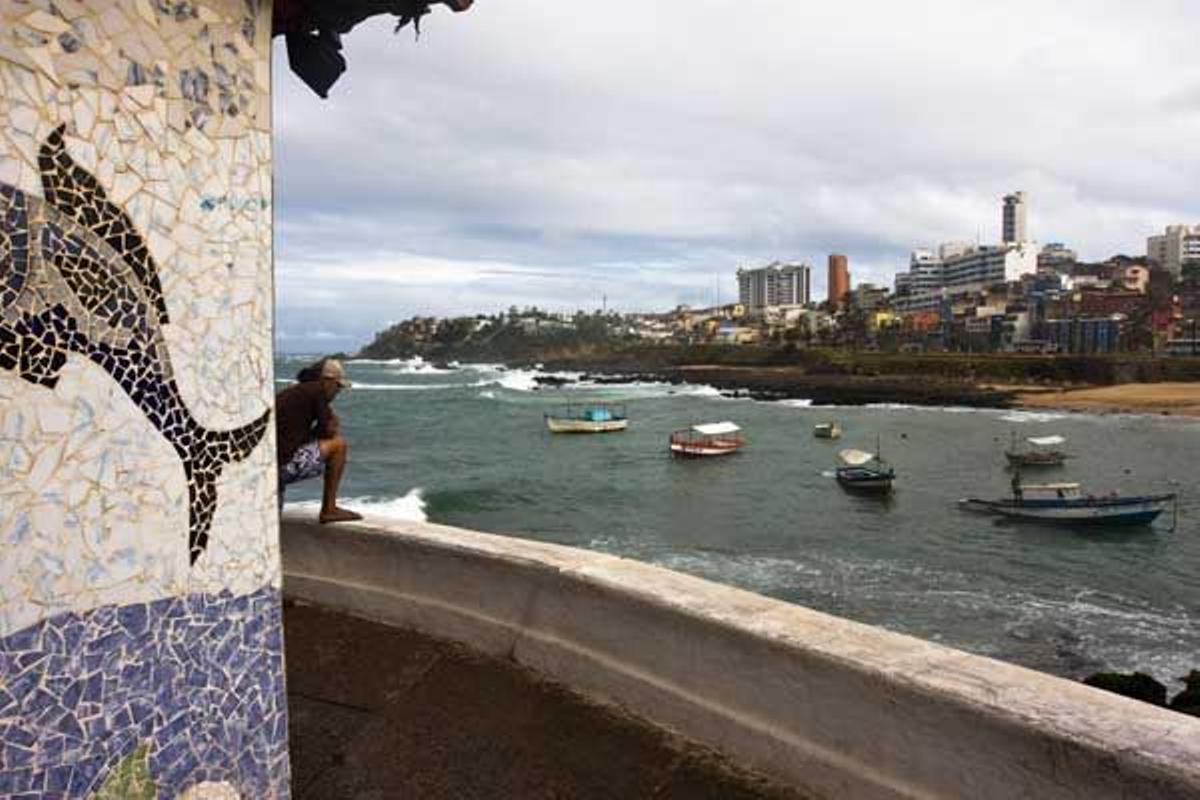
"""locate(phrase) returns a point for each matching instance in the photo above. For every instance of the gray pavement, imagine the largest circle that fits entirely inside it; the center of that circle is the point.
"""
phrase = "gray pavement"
(377, 712)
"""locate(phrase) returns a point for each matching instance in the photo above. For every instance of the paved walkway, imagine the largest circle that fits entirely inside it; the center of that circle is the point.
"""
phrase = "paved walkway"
(378, 712)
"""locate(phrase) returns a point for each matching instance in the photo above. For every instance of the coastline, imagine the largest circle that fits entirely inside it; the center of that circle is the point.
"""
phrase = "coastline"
(787, 382)
(838, 389)
(1165, 399)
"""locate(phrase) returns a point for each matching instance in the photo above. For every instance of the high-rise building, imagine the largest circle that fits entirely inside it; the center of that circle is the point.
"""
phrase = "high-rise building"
(839, 279)
(1014, 225)
(776, 284)
(1179, 245)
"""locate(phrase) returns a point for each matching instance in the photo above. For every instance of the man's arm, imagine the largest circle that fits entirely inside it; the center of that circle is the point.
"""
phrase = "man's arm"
(327, 421)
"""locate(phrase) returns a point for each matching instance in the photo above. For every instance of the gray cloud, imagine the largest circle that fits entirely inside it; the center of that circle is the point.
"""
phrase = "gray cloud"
(552, 153)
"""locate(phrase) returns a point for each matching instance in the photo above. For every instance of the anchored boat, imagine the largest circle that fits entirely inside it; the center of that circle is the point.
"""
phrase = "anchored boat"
(827, 430)
(590, 418)
(865, 472)
(712, 439)
(1039, 451)
(1065, 503)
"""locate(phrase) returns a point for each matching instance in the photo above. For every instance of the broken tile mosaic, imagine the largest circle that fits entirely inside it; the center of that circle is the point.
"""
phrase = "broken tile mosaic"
(139, 620)
(190, 679)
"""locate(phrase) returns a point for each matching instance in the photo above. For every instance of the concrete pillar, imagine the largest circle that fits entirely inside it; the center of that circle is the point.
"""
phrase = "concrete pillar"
(140, 640)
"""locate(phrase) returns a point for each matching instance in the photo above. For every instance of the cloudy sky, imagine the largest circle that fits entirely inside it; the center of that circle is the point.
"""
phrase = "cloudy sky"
(554, 153)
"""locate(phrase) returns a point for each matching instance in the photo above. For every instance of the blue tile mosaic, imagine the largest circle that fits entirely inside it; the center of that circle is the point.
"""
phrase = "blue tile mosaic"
(198, 679)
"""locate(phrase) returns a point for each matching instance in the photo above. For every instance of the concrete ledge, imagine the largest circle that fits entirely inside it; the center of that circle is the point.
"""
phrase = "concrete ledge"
(834, 708)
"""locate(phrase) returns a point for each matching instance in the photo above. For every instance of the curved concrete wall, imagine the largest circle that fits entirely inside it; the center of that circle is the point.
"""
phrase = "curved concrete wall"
(834, 707)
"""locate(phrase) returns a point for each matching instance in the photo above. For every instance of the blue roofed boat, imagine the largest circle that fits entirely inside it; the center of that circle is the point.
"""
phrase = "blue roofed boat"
(589, 418)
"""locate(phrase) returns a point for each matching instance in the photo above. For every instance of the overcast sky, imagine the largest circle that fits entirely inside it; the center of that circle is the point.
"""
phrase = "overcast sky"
(551, 153)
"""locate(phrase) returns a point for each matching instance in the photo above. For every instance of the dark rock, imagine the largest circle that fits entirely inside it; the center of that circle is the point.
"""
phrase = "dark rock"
(1188, 701)
(552, 380)
(1138, 685)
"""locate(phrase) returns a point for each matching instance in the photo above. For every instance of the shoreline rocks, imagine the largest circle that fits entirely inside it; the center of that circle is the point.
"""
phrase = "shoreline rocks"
(775, 383)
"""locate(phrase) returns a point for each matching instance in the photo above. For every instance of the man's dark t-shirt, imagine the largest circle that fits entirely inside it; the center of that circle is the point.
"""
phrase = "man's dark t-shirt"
(302, 413)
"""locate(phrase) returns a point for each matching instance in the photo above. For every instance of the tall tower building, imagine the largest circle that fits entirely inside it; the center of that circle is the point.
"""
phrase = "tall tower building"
(839, 279)
(1014, 224)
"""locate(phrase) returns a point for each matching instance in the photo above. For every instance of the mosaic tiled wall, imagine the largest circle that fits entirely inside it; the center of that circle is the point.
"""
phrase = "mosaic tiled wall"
(140, 649)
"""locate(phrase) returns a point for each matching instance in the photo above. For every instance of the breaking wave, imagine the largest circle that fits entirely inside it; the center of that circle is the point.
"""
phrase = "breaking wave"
(409, 508)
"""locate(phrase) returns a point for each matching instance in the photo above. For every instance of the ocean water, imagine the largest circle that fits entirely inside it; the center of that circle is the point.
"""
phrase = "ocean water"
(467, 446)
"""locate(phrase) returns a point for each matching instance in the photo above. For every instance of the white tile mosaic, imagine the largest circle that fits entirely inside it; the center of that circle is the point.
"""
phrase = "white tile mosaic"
(162, 105)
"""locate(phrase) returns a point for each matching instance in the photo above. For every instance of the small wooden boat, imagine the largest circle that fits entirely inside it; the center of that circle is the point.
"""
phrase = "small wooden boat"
(1066, 504)
(591, 418)
(1040, 452)
(865, 472)
(701, 441)
(827, 430)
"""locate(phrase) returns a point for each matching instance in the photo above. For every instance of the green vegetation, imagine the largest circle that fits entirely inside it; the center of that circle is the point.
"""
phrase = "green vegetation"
(517, 336)
(129, 780)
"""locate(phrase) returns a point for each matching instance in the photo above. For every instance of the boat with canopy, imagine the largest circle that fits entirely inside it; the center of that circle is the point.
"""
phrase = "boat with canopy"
(1066, 503)
(710, 439)
(865, 472)
(588, 418)
(1038, 451)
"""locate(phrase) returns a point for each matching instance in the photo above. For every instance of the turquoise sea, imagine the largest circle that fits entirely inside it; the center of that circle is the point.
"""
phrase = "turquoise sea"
(467, 446)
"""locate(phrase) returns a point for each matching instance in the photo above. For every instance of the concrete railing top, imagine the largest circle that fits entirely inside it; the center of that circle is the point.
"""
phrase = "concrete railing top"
(835, 707)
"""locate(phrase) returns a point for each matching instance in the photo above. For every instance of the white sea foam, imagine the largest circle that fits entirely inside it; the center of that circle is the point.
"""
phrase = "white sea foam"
(892, 406)
(412, 387)
(796, 402)
(409, 508)
(1032, 416)
(417, 366)
(490, 395)
(699, 390)
(518, 380)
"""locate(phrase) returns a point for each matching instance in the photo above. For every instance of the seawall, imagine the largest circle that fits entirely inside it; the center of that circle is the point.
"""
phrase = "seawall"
(833, 707)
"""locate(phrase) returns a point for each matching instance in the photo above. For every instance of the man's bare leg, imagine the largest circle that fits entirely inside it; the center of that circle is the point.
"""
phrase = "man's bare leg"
(336, 452)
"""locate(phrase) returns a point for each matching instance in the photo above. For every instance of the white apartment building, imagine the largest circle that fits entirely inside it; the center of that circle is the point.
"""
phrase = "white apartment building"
(777, 284)
(968, 270)
(986, 266)
(1179, 245)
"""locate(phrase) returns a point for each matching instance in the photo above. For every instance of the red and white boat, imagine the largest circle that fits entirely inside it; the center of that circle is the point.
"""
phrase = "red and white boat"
(712, 439)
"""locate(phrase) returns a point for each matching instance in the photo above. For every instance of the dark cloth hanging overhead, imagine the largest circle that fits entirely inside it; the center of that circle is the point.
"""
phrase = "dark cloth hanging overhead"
(313, 31)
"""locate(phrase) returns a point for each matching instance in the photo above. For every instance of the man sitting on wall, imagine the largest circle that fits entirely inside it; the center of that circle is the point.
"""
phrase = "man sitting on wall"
(308, 437)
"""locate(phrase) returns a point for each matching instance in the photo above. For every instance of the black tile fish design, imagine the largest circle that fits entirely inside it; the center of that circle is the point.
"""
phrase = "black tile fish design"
(76, 277)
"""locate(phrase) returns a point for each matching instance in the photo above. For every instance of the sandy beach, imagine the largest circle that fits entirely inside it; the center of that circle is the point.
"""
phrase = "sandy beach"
(1130, 398)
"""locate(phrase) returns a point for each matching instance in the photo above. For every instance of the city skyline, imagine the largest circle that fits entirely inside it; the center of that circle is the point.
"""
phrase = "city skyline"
(531, 158)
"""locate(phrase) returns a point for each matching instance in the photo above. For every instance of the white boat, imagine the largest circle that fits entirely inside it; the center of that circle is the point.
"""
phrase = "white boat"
(827, 430)
(1065, 503)
(593, 418)
(712, 439)
(1041, 451)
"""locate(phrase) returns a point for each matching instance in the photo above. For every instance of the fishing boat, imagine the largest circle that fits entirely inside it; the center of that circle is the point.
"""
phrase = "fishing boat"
(1039, 451)
(827, 430)
(711, 439)
(590, 418)
(1066, 504)
(865, 472)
